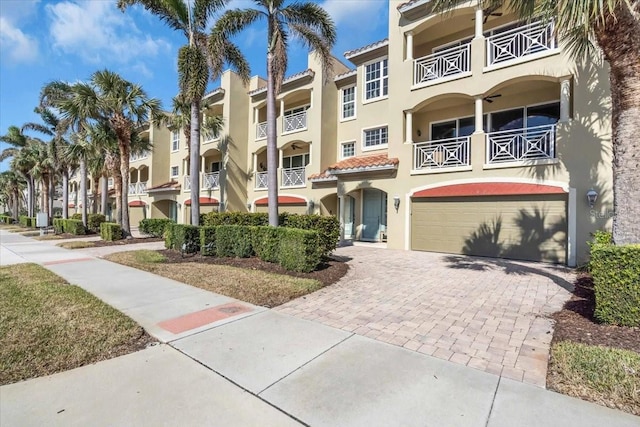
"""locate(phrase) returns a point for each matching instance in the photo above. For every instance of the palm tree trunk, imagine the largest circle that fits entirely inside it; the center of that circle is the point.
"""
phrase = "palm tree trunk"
(194, 167)
(83, 189)
(272, 145)
(95, 186)
(104, 195)
(124, 204)
(65, 194)
(16, 205)
(117, 186)
(45, 195)
(52, 193)
(30, 196)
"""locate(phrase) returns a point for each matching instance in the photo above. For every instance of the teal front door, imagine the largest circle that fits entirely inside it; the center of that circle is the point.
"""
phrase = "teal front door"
(173, 211)
(374, 215)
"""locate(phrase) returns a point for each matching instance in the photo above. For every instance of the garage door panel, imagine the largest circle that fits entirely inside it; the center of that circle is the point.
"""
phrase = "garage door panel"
(521, 227)
(136, 214)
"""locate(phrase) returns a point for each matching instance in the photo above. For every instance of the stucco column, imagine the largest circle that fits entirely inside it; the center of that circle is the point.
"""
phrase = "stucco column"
(280, 165)
(479, 20)
(409, 46)
(408, 139)
(255, 162)
(255, 116)
(311, 98)
(478, 115)
(341, 216)
(565, 99)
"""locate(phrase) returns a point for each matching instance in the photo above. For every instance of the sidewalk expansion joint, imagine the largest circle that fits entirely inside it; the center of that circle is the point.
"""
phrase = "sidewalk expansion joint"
(493, 401)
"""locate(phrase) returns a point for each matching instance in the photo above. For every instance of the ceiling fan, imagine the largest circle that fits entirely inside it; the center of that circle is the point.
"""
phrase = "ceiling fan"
(490, 98)
(489, 11)
(295, 146)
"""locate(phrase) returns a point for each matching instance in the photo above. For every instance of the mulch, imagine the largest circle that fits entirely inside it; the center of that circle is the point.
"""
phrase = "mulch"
(328, 272)
(134, 240)
(576, 322)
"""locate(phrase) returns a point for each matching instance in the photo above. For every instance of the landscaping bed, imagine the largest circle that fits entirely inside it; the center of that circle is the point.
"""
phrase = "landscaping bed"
(49, 326)
(594, 361)
(81, 244)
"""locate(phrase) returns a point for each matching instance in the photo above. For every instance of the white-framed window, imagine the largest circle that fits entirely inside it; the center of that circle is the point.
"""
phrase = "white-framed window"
(347, 149)
(175, 140)
(110, 182)
(175, 171)
(298, 161)
(376, 79)
(296, 110)
(348, 102)
(375, 137)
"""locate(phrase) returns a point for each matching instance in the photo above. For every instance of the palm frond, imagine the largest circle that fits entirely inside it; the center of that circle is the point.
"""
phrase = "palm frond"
(313, 17)
(173, 12)
(233, 21)
(203, 10)
(316, 43)
(193, 72)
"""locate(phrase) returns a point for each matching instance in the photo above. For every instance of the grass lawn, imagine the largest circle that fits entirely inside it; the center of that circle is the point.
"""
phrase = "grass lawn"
(80, 244)
(48, 326)
(604, 375)
(253, 286)
(49, 236)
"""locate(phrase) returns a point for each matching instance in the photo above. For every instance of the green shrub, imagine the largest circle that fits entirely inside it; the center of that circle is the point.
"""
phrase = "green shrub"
(94, 221)
(74, 226)
(58, 225)
(208, 241)
(6, 219)
(233, 241)
(169, 236)
(213, 219)
(265, 242)
(299, 250)
(616, 277)
(26, 221)
(601, 237)
(327, 227)
(186, 238)
(76, 216)
(154, 226)
(110, 231)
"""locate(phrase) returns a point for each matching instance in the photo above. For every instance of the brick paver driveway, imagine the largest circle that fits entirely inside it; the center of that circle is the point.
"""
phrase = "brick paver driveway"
(485, 313)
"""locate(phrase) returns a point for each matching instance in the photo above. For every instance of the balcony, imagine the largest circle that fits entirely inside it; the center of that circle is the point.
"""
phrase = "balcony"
(261, 180)
(187, 183)
(137, 188)
(210, 180)
(447, 64)
(521, 145)
(138, 156)
(293, 177)
(442, 154)
(142, 187)
(133, 189)
(518, 43)
(294, 122)
(261, 130)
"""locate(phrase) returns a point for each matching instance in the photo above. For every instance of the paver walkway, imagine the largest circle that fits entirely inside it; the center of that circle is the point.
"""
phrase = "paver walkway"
(485, 313)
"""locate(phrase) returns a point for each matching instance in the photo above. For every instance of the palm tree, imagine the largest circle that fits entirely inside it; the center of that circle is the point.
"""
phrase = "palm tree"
(80, 151)
(305, 21)
(22, 163)
(613, 26)
(11, 186)
(43, 169)
(198, 60)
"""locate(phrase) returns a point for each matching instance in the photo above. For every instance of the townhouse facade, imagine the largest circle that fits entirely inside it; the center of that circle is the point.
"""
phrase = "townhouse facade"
(466, 133)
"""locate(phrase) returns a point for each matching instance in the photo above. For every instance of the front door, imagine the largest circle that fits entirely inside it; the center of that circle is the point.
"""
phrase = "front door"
(373, 214)
(173, 211)
(349, 216)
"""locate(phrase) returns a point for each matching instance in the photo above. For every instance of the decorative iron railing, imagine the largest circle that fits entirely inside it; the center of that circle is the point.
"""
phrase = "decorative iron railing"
(534, 143)
(293, 177)
(293, 122)
(520, 42)
(446, 63)
(440, 154)
(210, 180)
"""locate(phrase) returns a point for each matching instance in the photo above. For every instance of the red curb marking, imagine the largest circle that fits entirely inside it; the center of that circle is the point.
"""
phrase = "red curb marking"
(203, 317)
(65, 261)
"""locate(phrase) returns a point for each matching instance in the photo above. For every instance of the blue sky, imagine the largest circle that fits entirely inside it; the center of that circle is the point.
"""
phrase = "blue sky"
(46, 40)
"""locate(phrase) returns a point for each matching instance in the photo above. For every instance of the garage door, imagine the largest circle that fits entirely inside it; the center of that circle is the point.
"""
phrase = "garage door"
(526, 227)
(293, 209)
(136, 214)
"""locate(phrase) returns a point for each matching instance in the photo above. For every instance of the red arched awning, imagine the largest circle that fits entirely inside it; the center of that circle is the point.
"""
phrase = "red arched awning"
(488, 189)
(136, 203)
(282, 200)
(204, 201)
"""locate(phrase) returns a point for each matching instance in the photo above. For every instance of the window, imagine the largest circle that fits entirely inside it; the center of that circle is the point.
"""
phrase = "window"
(175, 171)
(526, 117)
(296, 110)
(375, 137)
(298, 161)
(175, 140)
(348, 149)
(215, 167)
(376, 80)
(110, 182)
(453, 128)
(349, 102)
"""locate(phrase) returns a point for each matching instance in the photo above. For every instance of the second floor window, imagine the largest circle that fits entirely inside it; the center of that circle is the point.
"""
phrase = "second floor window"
(348, 149)
(175, 171)
(376, 80)
(375, 137)
(348, 102)
(298, 161)
(175, 140)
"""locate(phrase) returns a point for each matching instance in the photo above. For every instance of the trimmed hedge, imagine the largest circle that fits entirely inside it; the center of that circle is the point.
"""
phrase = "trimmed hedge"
(27, 221)
(616, 277)
(265, 243)
(182, 237)
(299, 250)
(213, 219)
(154, 226)
(74, 226)
(76, 216)
(6, 219)
(94, 221)
(208, 241)
(58, 225)
(110, 231)
(233, 241)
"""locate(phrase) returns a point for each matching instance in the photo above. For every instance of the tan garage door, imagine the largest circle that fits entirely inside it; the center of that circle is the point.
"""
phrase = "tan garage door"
(294, 209)
(531, 227)
(136, 214)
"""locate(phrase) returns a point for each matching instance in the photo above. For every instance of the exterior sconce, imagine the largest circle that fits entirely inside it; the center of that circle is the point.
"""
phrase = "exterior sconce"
(249, 206)
(311, 205)
(419, 132)
(396, 202)
(592, 196)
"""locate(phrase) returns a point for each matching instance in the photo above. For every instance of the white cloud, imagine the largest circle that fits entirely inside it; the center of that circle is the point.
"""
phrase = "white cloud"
(98, 32)
(17, 45)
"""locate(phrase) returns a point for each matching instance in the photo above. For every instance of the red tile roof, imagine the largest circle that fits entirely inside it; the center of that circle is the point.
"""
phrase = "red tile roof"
(380, 43)
(167, 186)
(488, 189)
(204, 201)
(136, 203)
(282, 200)
(357, 164)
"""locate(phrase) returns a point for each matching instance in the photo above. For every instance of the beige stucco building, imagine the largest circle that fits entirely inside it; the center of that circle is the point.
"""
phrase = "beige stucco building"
(469, 133)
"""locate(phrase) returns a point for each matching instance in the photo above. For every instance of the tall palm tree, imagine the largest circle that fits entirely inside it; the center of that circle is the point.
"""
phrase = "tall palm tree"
(198, 60)
(81, 151)
(42, 170)
(305, 21)
(11, 186)
(613, 26)
(22, 163)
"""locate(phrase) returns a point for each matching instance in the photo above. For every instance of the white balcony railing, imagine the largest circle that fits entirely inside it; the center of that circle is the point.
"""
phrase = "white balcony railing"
(187, 183)
(142, 187)
(133, 189)
(520, 145)
(294, 177)
(211, 180)
(261, 180)
(446, 63)
(138, 156)
(294, 122)
(208, 139)
(261, 130)
(520, 42)
(441, 154)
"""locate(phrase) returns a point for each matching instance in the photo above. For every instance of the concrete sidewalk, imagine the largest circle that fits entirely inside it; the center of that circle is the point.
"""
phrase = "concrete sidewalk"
(246, 365)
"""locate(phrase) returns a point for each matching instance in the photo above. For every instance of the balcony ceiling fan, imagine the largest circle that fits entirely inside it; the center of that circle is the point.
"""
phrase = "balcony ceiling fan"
(490, 98)
(295, 146)
(489, 11)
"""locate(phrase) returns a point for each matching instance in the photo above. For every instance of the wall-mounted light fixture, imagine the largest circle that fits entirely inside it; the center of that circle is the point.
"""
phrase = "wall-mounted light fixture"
(249, 206)
(592, 196)
(419, 132)
(396, 202)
